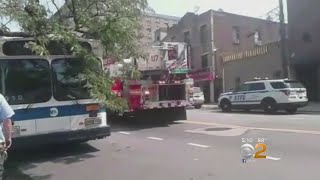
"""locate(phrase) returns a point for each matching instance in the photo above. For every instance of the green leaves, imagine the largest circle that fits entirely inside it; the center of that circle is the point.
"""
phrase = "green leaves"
(114, 23)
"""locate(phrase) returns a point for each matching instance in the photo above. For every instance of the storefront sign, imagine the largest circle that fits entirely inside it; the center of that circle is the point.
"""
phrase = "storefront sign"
(246, 54)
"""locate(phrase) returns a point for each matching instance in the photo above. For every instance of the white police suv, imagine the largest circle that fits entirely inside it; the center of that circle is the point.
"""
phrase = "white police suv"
(269, 95)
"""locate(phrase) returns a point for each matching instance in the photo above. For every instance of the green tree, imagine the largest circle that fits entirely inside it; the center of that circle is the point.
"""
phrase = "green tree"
(114, 23)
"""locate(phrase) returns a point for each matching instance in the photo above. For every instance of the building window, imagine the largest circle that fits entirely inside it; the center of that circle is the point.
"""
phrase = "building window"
(187, 37)
(204, 34)
(236, 34)
(306, 37)
(237, 83)
(257, 38)
(204, 61)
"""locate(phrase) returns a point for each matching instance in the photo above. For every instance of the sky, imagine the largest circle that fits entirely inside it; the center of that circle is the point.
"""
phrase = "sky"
(254, 8)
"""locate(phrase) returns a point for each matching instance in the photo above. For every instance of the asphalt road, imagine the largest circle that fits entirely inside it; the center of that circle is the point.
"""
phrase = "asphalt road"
(197, 149)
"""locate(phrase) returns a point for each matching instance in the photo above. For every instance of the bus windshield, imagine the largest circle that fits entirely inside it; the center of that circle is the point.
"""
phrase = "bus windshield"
(66, 84)
(25, 81)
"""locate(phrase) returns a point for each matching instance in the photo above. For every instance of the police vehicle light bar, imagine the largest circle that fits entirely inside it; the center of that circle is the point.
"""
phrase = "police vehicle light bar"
(257, 79)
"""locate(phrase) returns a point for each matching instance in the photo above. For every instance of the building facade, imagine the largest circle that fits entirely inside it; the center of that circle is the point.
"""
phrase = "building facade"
(263, 62)
(304, 37)
(151, 23)
(211, 35)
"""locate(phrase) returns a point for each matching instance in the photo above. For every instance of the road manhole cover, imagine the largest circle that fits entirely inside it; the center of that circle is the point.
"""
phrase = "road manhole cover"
(218, 129)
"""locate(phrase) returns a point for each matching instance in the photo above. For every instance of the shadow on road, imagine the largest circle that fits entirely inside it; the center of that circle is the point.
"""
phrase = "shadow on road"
(135, 125)
(23, 160)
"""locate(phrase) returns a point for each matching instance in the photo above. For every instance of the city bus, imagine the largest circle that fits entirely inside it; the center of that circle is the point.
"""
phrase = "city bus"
(51, 104)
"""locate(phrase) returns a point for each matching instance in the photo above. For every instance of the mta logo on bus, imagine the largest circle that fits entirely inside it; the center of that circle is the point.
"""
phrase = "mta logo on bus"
(54, 112)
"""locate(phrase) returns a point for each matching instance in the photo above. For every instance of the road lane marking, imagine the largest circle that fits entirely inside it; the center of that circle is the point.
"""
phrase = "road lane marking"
(273, 158)
(198, 145)
(300, 131)
(122, 132)
(295, 118)
(155, 138)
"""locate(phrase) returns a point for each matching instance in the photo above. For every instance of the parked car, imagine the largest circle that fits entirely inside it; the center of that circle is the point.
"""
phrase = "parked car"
(269, 95)
(198, 97)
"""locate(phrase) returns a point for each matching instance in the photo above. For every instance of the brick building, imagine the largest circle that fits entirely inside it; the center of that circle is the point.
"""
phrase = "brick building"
(264, 62)
(214, 33)
(304, 37)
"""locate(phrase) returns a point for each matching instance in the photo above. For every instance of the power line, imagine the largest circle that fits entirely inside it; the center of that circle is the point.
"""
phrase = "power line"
(272, 15)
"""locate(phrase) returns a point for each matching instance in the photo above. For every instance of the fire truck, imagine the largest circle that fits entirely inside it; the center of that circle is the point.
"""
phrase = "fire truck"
(164, 89)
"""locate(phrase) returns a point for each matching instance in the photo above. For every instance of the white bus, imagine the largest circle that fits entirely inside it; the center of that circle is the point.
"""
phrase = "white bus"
(51, 105)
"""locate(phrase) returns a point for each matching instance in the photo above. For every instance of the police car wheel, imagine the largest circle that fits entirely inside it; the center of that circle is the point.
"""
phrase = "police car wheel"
(225, 106)
(269, 105)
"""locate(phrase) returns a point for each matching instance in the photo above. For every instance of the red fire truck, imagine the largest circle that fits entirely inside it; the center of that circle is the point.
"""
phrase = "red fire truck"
(164, 89)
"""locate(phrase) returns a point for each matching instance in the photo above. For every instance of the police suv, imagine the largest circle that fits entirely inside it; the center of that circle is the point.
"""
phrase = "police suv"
(269, 95)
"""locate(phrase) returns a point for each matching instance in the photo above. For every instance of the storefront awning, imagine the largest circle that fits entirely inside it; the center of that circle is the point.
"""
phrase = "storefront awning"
(202, 76)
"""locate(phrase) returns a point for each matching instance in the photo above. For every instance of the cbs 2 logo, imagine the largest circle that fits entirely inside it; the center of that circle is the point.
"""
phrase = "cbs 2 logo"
(239, 98)
(260, 148)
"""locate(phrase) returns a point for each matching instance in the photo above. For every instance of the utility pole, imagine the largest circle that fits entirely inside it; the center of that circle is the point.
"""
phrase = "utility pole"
(283, 44)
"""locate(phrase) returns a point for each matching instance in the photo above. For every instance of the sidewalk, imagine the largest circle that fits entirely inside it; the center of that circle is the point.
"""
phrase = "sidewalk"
(312, 107)
(210, 106)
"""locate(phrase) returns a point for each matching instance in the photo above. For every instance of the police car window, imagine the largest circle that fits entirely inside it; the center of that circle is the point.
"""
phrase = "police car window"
(243, 87)
(257, 86)
(294, 84)
(278, 85)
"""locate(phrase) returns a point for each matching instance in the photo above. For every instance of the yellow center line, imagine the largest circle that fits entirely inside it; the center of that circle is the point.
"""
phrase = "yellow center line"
(301, 131)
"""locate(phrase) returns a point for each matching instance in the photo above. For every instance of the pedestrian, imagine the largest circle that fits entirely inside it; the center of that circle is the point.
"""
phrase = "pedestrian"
(6, 112)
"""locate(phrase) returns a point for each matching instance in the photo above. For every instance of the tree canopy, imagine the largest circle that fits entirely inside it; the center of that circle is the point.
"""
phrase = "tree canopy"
(114, 23)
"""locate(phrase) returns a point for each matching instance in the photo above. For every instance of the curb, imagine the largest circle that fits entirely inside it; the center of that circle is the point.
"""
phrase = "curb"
(299, 111)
